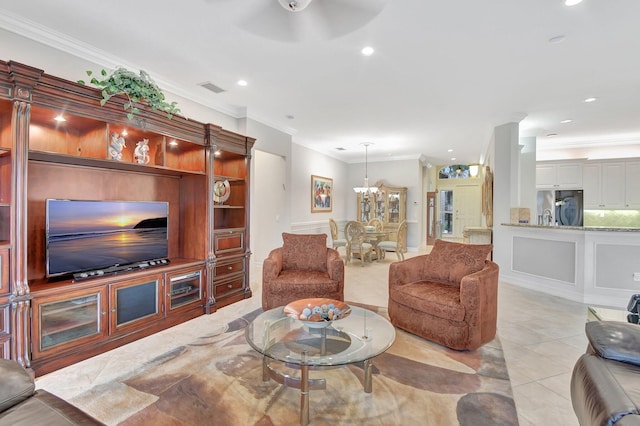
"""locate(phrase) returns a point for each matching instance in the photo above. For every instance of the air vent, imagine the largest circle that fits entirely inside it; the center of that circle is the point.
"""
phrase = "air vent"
(210, 86)
(341, 149)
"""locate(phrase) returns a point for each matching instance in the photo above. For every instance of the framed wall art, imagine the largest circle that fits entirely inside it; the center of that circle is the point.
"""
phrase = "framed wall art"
(321, 194)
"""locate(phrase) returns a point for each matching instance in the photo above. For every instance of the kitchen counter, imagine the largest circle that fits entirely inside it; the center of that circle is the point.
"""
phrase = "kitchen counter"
(592, 265)
(573, 228)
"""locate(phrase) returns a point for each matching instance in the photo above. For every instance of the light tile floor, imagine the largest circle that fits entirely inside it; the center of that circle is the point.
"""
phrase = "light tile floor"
(542, 337)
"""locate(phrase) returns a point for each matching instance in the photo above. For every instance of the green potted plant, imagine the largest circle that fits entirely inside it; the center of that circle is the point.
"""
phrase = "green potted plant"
(137, 88)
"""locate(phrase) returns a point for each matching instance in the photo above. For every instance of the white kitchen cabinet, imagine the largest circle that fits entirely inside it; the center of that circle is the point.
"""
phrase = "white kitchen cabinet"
(613, 185)
(559, 175)
(632, 185)
(604, 185)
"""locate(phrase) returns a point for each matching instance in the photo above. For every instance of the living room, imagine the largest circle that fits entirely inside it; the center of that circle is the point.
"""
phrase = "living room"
(281, 199)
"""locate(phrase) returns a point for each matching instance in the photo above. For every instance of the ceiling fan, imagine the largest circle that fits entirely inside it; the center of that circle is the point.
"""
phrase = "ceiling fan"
(300, 20)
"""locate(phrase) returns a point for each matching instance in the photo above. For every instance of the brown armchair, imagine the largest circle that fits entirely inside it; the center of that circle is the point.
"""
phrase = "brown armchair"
(303, 267)
(449, 296)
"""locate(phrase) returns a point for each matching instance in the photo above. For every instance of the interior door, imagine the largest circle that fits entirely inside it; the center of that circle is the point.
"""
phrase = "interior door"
(466, 209)
(431, 218)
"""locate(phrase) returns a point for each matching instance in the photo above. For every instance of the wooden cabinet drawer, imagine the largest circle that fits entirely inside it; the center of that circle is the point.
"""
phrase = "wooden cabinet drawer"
(229, 241)
(4, 271)
(227, 268)
(228, 286)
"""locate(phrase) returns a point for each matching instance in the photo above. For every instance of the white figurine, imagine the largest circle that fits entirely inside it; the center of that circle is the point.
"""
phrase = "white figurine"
(141, 153)
(116, 147)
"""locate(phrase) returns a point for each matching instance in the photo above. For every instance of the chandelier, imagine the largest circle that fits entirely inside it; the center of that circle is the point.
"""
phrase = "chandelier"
(365, 189)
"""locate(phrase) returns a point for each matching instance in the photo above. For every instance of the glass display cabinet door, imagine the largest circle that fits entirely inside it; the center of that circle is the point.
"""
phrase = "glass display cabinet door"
(365, 207)
(380, 210)
(394, 207)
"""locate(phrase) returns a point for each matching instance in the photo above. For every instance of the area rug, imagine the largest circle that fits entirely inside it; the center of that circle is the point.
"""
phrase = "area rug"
(217, 380)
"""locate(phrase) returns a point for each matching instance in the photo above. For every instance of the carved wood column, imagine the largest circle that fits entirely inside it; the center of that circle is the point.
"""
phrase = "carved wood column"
(24, 79)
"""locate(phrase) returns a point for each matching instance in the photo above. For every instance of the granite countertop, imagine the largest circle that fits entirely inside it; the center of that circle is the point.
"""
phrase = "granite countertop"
(572, 228)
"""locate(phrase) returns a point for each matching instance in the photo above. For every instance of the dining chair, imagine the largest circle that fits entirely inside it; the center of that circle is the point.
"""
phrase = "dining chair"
(356, 244)
(337, 242)
(399, 246)
(377, 223)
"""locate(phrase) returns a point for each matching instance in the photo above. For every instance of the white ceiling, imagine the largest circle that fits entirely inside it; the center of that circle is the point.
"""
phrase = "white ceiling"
(443, 75)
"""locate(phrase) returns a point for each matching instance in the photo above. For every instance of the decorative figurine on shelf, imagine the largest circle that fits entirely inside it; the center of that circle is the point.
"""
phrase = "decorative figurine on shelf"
(141, 153)
(116, 146)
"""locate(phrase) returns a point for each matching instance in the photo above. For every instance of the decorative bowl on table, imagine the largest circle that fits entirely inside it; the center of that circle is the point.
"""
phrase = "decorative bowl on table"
(369, 228)
(317, 312)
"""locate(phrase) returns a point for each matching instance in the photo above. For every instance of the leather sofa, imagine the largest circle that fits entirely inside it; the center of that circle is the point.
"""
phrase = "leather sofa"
(22, 405)
(605, 383)
(303, 267)
(449, 296)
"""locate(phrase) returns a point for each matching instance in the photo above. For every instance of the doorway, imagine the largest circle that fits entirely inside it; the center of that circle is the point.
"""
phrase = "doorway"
(459, 208)
(431, 218)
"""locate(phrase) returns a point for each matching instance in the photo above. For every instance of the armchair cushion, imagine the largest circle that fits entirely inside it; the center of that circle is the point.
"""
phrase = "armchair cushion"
(450, 262)
(304, 251)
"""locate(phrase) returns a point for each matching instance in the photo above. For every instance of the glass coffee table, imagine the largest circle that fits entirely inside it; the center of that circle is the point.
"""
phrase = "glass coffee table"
(359, 337)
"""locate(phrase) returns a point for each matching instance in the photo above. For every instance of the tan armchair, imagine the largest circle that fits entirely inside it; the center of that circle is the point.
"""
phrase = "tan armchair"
(356, 244)
(399, 246)
(449, 296)
(336, 241)
(303, 267)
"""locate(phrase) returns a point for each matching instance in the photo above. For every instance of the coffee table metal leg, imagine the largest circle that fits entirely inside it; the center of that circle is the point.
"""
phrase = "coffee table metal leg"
(368, 370)
(304, 390)
(304, 395)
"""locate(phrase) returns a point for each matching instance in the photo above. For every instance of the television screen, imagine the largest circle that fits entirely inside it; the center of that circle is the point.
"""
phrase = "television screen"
(95, 235)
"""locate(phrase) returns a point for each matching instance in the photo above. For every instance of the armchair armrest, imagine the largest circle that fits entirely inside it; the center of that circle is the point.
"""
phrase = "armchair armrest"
(335, 267)
(478, 293)
(406, 271)
(272, 265)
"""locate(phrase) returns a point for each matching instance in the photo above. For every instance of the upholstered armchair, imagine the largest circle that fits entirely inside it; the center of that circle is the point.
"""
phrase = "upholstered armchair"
(449, 296)
(303, 267)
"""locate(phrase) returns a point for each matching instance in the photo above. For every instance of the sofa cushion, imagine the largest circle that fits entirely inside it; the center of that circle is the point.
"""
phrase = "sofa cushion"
(450, 262)
(438, 299)
(618, 341)
(304, 251)
(17, 384)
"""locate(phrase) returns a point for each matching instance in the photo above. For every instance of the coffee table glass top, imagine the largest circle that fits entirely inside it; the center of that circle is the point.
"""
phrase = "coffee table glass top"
(360, 336)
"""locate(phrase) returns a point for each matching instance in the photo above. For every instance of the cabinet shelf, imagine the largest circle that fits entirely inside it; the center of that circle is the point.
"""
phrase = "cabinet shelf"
(229, 178)
(68, 325)
(225, 206)
(107, 164)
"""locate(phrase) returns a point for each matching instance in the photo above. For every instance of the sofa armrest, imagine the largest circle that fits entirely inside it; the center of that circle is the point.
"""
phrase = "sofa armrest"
(272, 265)
(406, 271)
(335, 268)
(17, 385)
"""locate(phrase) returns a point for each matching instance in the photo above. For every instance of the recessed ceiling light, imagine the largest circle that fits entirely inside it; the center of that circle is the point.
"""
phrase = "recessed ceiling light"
(453, 158)
(242, 83)
(450, 150)
(557, 39)
(572, 2)
(591, 100)
(566, 121)
(368, 51)
(550, 135)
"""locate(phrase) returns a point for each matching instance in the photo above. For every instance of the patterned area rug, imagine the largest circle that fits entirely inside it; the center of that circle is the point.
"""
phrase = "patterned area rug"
(217, 380)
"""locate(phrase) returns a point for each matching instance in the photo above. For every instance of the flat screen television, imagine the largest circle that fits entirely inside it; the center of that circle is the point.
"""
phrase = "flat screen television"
(96, 235)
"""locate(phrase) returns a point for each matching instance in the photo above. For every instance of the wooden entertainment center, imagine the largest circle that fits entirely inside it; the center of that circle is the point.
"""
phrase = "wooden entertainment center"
(48, 323)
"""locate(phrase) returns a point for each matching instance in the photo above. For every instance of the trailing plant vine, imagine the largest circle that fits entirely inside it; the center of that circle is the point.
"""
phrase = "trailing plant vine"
(137, 88)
